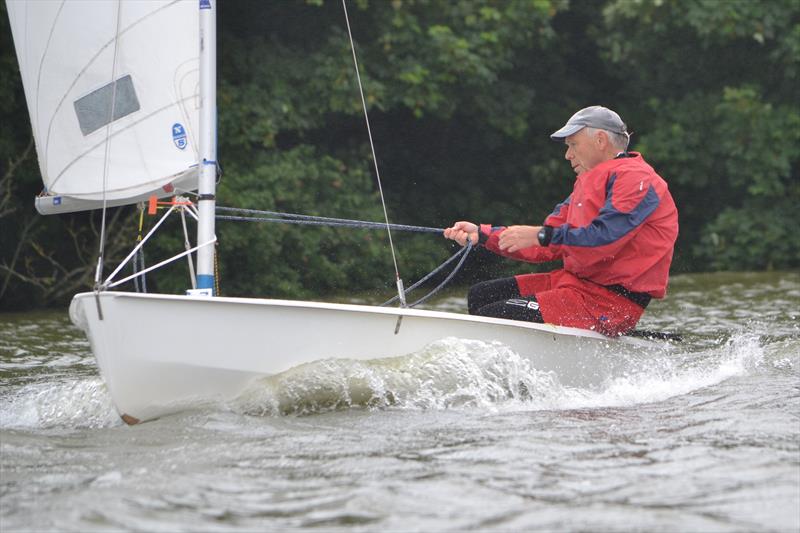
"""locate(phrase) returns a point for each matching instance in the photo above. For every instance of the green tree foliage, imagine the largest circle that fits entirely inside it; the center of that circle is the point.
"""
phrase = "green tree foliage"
(433, 76)
(462, 96)
(719, 104)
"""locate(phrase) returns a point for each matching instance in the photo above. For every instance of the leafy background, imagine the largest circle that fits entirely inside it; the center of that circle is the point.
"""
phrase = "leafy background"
(462, 96)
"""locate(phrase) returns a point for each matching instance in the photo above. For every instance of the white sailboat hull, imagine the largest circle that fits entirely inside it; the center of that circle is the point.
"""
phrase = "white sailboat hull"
(160, 354)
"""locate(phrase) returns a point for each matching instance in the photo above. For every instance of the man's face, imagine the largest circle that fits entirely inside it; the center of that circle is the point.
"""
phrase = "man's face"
(583, 151)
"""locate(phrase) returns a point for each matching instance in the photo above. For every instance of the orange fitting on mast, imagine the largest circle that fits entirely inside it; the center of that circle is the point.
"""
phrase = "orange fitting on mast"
(153, 203)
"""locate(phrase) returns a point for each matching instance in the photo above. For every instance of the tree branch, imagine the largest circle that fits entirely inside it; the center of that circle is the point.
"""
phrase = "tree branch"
(6, 181)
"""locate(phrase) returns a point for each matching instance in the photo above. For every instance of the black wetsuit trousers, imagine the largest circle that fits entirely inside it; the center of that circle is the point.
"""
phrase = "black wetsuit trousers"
(500, 298)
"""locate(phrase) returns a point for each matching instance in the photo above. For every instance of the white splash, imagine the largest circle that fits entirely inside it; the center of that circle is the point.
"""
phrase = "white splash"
(674, 375)
(456, 373)
(446, 374)
(73, 403)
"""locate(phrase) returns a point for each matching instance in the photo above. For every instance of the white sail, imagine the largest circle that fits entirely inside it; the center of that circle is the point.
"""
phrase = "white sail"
(78, 56)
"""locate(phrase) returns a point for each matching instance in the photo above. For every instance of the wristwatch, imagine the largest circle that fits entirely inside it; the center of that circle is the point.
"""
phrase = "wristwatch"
(545, 235)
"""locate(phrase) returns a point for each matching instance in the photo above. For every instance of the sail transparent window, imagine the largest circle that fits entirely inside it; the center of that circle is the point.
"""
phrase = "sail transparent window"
(94, 109)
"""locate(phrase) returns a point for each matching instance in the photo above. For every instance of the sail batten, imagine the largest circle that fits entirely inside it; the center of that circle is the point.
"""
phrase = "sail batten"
(142, 55)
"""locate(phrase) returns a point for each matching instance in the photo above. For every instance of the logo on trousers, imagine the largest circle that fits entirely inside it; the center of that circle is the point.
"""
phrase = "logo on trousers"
(530, 304)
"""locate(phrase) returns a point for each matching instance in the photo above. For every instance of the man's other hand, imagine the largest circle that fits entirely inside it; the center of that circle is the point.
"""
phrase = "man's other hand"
(515, 238)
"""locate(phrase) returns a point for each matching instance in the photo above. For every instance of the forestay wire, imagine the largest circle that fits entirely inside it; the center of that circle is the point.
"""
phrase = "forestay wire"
(98, 273)
(400, 291)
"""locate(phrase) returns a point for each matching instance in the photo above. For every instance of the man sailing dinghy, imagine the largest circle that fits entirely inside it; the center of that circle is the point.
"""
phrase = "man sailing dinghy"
(615, 233)
(116, 117)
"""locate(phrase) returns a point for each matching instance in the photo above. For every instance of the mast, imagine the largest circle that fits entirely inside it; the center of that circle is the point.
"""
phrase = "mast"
(207, 164)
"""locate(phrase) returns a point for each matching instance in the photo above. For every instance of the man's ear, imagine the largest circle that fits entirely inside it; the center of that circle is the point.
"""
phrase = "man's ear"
(602, 140)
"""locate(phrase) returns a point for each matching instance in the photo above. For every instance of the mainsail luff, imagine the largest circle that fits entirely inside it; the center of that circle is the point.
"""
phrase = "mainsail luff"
(66, 73)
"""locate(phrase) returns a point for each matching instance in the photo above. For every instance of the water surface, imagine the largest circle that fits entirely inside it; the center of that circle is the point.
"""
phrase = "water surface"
(704, 436)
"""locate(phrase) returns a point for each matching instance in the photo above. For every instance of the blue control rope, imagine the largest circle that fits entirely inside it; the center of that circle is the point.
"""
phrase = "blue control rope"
(294, 218)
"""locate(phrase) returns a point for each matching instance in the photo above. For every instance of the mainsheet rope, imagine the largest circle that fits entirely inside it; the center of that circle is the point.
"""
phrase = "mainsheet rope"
(463, 252)
(295, 218)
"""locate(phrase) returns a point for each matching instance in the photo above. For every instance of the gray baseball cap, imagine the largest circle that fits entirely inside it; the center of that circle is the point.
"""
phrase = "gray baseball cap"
(595, 116)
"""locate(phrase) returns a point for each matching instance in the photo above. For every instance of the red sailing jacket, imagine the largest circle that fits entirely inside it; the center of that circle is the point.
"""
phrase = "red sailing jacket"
(618, 227)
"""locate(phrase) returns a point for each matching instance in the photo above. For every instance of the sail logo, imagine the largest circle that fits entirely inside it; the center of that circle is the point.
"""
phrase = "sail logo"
(179, 136)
